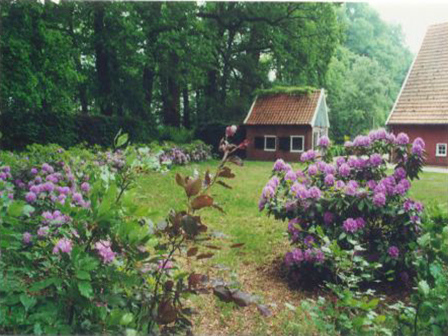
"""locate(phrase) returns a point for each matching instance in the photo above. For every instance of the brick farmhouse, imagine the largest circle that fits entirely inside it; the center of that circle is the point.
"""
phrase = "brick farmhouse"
(421, 109)
(283, 125)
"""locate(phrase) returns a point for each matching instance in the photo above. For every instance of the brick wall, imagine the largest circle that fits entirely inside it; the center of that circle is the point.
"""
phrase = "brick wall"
(432, 135)
(253, 131)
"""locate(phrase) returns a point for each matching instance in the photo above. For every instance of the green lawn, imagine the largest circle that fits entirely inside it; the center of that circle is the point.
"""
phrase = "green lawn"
(264, 238)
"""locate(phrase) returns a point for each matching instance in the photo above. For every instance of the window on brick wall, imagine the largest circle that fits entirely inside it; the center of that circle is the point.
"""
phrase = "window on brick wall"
(270, 143)
(441, 149)
(297, 143)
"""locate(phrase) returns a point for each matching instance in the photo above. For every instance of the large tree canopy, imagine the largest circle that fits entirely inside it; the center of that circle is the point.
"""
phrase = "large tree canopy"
(366, 72)
(186, 64)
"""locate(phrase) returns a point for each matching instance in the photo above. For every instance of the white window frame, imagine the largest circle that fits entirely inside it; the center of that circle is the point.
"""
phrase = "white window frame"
(438, 146)
(297, 150)
(270, 149)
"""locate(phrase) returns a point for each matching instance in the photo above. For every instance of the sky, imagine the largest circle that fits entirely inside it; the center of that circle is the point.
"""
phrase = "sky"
(413, 16)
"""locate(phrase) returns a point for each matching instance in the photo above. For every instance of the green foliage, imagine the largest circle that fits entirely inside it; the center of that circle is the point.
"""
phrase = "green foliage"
(176, 135)
(365, 73)
(290, 90)
(81, 257)
(350, 211)
(428, 313)
(79, 71)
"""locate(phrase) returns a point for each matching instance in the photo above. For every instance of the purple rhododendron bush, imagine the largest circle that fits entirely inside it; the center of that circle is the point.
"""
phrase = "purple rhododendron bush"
(79, 255)
(349, 214)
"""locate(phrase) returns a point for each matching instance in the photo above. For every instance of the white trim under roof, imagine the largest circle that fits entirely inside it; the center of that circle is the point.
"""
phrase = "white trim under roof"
(250, 111)
(326, 112)
(402, 87)
(316, 110)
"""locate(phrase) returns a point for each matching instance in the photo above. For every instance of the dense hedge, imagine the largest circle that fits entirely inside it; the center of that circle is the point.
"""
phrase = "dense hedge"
(19, 130)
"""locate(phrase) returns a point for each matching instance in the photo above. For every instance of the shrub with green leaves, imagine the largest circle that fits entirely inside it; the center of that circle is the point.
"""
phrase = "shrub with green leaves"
(78, 255)
(349, 208)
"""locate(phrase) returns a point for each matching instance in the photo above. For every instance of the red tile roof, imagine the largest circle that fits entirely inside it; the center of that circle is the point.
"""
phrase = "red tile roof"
(424, 96)
(283, 109)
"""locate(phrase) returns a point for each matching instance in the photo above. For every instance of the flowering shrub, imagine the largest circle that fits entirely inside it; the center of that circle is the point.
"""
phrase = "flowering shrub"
(349, 204)
(181, 155)
(77, 255)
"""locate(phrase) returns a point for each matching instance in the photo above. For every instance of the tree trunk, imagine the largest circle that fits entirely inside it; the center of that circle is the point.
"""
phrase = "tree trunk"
(186, 101)
(170, 94)
(250, 75)
(148, 84)
(226, 69)
(102, 61)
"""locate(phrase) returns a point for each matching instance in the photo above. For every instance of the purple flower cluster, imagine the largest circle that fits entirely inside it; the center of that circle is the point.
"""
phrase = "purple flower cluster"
(344, 170)
(312, 170)
(268, 192)
(64, 245)
(380, 134)
(5, 173)
(394, 252)
(328, 217)
(402, 139)
(297, 256)
(379, 199)
(329, 180)
(409, 205)
(362, 141)
(291, 176)
(376, 160)
(309, 155)
(324, 142)
(353, 225)
(104, 250)
(26, 238)
(280, 165)
(351, 188)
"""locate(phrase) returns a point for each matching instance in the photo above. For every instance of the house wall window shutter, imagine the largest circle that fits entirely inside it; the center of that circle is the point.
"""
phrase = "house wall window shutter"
(259, 143)
(284, 144)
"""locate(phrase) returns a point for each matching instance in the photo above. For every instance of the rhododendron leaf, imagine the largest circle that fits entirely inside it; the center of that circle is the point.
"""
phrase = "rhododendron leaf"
(213, 247)
(166, 312)
(126, 319)
(85, 288)
(180, 180)
(83, 275)
(201, 201)
(237, 245)
(27, 301)
(120, 140)
(224, 184)
(236, 160)
(226, 172)
(39, 285)
(16, 208)
(190, 225)
(193, 187)
(423, 287)
(191, 252)
(205, 255)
